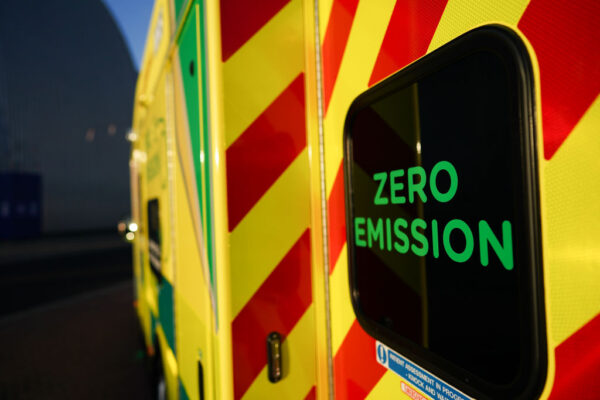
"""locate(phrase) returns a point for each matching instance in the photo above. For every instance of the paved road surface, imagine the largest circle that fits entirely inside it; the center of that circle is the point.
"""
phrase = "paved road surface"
(85, 347)
(34, 272)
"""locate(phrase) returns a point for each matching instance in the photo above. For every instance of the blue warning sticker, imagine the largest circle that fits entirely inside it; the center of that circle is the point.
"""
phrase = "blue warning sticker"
(429, 384)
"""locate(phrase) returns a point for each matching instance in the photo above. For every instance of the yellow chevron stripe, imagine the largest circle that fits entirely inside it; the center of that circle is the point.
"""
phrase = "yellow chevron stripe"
(342, 314)
(572, 207)
(461, 16)
(366, 36)
(259, 71)
(389, 387)
(269, 230)
(298, 362)
(324, 12)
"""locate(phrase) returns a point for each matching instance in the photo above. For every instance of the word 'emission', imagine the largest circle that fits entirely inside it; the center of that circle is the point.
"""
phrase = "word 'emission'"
(421, 237)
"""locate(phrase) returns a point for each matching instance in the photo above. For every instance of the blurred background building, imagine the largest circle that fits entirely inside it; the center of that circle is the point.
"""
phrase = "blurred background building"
(66, 89)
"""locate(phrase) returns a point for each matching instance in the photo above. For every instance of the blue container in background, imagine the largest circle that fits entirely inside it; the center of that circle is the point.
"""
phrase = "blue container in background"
(20, 205)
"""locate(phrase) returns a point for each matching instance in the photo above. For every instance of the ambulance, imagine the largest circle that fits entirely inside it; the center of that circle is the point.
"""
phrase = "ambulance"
(369, 199)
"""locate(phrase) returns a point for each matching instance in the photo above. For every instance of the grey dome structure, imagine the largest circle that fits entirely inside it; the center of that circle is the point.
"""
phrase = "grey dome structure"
(67, 84)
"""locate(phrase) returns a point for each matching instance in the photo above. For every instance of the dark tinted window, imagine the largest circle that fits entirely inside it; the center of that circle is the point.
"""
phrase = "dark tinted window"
(440, 204)
(154, 235)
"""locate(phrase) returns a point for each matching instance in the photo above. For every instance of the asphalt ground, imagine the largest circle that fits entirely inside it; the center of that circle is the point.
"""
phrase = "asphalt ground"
(83, 347)
(36, 272)
(68, 329)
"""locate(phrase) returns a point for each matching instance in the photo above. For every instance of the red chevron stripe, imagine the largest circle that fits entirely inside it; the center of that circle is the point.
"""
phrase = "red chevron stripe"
(240, 20)
(565, 36)
(578, 364)
(334, 43)
(277, 305)
(265, 150)
(408, 35)
(336, 218)
(312, 394)
(355, 366)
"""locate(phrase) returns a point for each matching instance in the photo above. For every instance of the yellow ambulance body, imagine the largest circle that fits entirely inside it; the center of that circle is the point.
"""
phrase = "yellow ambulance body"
(241, 261)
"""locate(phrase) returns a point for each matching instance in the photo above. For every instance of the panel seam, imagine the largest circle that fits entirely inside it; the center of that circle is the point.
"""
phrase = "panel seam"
(323, 190)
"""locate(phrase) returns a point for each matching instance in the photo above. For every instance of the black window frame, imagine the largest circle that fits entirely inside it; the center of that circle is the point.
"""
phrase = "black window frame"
(509, 45)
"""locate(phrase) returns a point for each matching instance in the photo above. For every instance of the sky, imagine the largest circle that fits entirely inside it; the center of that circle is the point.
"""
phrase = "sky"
(133, 18)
